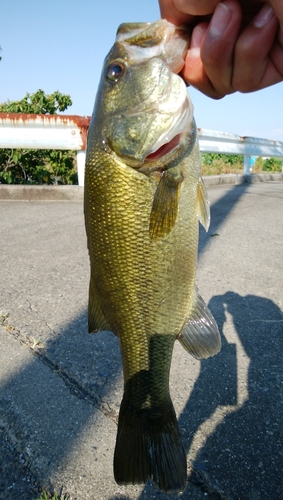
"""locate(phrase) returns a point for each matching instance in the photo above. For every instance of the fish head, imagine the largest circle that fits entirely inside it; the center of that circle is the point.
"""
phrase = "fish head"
(142, 106)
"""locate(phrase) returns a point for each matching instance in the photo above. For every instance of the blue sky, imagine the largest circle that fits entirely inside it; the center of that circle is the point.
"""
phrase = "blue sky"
(60, 45)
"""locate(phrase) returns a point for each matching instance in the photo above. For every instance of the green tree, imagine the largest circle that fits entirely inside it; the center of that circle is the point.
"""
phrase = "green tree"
(38, 103)
(23, 166)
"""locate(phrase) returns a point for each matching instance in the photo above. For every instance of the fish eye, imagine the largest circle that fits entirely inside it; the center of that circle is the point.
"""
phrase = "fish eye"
(114, 71)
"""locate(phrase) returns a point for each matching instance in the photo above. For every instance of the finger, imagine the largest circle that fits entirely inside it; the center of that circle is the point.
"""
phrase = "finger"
(217, 50)
(253, 65)
(196, 7)
(278, 10)
(276, 57)
(193, 71)
(171, 13)
(280, 35)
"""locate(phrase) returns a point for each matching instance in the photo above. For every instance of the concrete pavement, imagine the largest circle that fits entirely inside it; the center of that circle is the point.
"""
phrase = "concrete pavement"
(61, 388)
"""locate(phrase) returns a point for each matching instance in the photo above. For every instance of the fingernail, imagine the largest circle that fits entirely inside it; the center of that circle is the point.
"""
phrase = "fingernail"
(220, 20)
(197, 36)
(263, 17)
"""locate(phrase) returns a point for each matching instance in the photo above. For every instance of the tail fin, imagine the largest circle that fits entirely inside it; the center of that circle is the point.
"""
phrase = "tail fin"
(149, 446)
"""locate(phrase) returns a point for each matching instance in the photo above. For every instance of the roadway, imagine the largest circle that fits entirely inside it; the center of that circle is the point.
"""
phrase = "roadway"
(61, 388)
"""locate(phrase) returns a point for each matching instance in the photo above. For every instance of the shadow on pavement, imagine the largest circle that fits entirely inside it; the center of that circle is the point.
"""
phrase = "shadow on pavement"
(45, 422)
(242, 455)
(220, 211)
(251, 439)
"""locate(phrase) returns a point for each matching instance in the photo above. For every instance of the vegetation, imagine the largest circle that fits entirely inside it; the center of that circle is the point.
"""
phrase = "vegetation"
(39, 103)
(216, 164)
(34, 166)
(55, 496)
(271, 165)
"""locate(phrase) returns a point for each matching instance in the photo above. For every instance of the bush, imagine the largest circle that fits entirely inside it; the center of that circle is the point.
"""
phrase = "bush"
(272, 165)
(36, 166)
(216, 164)
(267, 165)
(208, 158)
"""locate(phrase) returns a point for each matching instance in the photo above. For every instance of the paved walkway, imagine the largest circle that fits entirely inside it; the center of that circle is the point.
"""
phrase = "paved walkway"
(61, 388)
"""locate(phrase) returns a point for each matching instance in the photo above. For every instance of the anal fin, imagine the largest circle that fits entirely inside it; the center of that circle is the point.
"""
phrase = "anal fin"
(200, 335)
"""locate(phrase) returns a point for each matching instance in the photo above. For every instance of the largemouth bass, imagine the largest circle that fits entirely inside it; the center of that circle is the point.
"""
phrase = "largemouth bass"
(143, 199)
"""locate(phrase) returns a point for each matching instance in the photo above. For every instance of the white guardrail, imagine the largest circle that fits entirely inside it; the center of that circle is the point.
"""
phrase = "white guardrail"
(70, 133)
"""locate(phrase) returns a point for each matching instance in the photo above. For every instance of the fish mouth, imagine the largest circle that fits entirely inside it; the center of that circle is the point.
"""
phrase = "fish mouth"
(170, 140)
(165, 149)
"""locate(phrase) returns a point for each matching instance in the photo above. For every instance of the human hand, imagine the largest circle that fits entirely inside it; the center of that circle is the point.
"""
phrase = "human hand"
(236, 45)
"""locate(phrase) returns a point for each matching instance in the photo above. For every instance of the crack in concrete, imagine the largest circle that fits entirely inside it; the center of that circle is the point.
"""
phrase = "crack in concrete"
(38, 349)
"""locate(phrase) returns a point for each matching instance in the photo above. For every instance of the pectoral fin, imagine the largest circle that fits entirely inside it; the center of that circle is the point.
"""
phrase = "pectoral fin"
(96, 318)
(165, 205)
(203, 205)
(200, 335)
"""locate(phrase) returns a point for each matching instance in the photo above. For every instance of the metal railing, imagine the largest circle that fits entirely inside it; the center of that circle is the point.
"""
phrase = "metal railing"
(18, 130)
(211, 141)
(70, 133)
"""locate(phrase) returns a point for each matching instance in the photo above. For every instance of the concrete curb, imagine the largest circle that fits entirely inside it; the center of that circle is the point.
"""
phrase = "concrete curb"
(51, 193)
(216, 180)
(75, 193)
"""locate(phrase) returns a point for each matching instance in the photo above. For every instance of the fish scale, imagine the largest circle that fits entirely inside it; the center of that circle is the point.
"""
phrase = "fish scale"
(142, 230)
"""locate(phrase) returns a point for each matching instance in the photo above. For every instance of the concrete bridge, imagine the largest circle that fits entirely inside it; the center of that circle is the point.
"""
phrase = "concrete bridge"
(61, 388)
